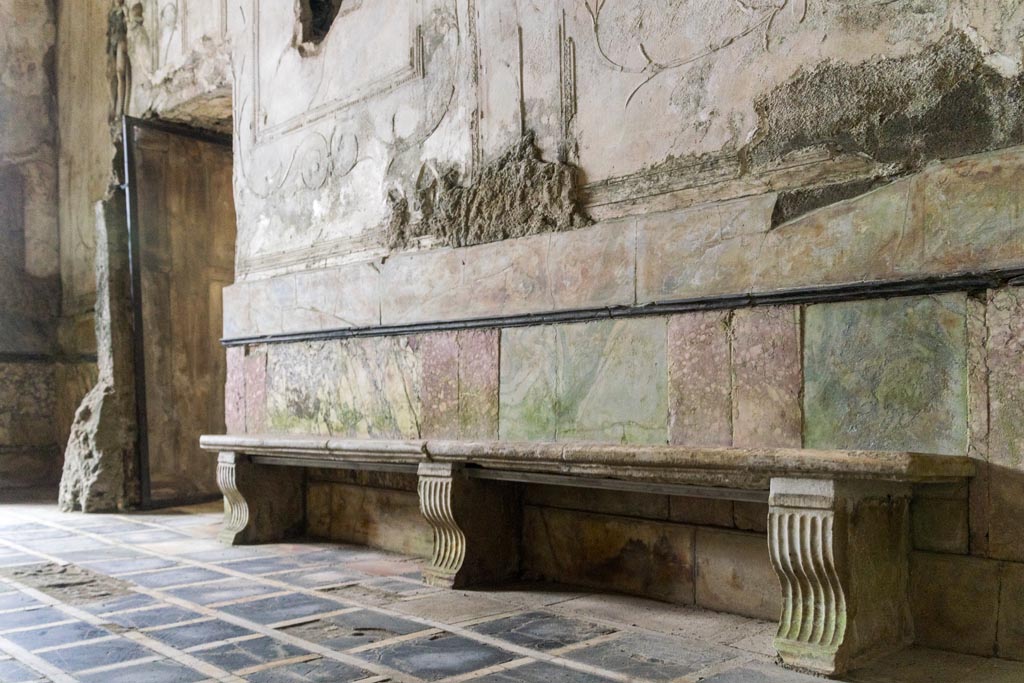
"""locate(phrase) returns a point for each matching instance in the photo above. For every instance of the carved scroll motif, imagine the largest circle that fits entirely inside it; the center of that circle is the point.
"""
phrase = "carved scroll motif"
(435, 489)
(814, 603)
(236, 510)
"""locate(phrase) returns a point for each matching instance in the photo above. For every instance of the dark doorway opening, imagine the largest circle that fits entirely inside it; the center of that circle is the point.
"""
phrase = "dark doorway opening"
(182, 249)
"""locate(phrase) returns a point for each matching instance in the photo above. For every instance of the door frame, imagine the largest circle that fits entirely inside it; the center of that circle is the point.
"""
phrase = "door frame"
(129, 125)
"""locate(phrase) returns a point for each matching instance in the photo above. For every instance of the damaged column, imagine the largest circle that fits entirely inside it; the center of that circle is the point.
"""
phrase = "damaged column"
(476, 526)
(840, 548)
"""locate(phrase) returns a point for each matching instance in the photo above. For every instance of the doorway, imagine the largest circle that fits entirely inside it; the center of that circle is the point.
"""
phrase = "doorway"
(182, 249)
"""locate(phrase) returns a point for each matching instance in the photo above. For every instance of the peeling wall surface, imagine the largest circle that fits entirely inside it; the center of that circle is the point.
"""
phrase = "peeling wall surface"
(398, 165)
(29, 275)
(455, 160)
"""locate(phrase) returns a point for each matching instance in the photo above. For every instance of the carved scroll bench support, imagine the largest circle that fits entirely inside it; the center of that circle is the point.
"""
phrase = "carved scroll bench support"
(841, 551)
(476, 527)
(261, 503)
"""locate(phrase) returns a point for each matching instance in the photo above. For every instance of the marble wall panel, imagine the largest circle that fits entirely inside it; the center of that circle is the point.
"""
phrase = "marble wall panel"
(593, 381)
(767, 377)
(887, 374)
(1005, 363)
(587, 268)
(700, 379)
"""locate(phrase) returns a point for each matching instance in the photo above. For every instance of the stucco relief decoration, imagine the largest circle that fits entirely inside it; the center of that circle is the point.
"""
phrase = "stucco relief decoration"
(346, 121)
(725, 22)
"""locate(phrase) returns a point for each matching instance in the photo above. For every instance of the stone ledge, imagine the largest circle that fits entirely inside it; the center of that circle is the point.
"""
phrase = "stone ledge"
(748, 468)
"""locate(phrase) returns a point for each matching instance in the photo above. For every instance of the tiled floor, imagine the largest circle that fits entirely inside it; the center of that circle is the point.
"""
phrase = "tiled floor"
(153, 598)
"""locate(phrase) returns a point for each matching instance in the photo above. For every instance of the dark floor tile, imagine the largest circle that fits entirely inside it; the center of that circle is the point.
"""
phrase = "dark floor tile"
(19, 559)
(36, 533)
(747, 674)
(190, 635)
(262, 565)
(218, 555)
(125, 566)
(92, 655)
(436, 657)
(353, 629)
(150, 536)
(61, 547)
(222, 591)
(247, 653)
(16, 672)
(164, 671)
(175, 577)
(15, 601)
(541, 672)
(120, 603)
(102, 553)
(651, 657)
(32, 617)
(318, 578)
(399, 587)
(541, 630)
(282, 608)
(48, 636)
(316, 671)
(161, 616)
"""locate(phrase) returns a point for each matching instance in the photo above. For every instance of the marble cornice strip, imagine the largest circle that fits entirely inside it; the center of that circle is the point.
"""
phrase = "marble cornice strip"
(746, 468)
(937, 284)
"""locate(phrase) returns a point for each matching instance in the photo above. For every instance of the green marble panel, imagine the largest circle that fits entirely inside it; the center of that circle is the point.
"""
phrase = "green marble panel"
(603, 381)
(887, 374)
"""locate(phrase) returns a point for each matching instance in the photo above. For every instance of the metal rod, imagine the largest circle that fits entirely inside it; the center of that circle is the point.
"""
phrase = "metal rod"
(960, 282)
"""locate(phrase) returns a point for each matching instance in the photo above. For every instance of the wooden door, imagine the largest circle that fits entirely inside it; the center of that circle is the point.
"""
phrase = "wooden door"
(183, 247)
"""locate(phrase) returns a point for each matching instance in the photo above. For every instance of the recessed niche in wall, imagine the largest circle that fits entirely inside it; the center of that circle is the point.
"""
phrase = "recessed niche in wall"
(317, 17)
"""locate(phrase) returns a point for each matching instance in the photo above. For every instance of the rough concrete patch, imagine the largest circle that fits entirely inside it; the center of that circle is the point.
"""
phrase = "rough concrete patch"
(516, 195)
(940, 103)
(794, 203)
(70, 584)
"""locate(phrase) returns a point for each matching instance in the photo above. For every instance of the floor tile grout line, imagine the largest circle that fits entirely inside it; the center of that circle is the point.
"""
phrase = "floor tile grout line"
(270, 666)
(451, 628)
(23, 656)
(711, 670)
(213, 645)
(117, 666)
(141, 639)
(281, 636)
(28, 551)
(36, 627)
(87, 641)
(388, 642)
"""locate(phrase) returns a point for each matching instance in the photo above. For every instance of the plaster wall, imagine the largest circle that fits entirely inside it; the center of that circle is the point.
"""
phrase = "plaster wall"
(646, 152)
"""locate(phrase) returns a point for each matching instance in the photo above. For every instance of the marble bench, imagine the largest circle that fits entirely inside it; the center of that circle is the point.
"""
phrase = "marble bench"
(838, 527)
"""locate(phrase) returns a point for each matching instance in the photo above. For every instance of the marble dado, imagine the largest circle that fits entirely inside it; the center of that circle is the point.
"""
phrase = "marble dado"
(887, 374)
(439, 385)
(958, 216)
(594, 381)
(837, 375)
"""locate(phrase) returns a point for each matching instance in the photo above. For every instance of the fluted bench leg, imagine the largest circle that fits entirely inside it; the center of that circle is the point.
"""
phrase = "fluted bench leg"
(476, 527)
(840, 549)
(261, 504)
